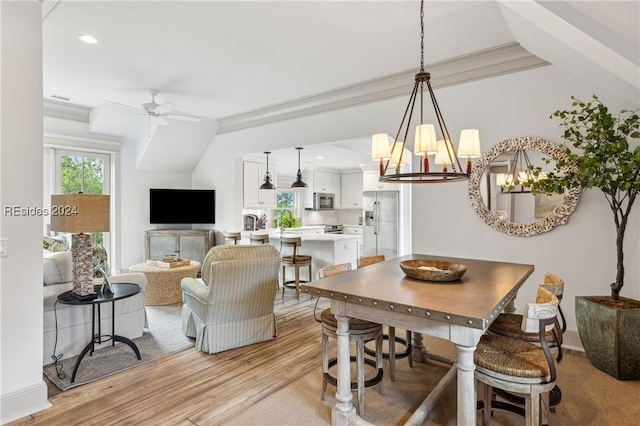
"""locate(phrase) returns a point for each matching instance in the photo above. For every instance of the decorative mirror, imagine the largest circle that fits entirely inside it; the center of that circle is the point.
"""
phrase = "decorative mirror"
(508, 207)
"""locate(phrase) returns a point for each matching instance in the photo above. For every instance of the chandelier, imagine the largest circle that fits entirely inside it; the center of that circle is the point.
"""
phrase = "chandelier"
(394, 155)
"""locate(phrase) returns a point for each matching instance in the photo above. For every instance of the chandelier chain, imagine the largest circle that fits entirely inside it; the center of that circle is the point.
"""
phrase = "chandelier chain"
(422, 36)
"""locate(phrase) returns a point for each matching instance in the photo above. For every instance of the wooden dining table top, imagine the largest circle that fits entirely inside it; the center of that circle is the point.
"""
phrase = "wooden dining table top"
(472, 301)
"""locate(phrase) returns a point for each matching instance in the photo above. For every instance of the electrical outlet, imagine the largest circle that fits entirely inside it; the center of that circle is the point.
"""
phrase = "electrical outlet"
(4, 247)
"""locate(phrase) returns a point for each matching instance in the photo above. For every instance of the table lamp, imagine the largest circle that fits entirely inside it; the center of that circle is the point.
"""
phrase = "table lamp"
(81, 214)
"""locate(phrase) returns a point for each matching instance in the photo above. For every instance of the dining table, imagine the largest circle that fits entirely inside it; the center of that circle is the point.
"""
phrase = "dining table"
(459, 311)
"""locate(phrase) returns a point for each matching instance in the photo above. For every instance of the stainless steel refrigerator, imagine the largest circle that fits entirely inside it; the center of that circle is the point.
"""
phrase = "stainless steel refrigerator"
(380, 224)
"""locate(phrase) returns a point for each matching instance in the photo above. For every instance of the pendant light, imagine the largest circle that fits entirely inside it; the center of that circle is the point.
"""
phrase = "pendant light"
(298, 184)
(267, 184)
(425, 143)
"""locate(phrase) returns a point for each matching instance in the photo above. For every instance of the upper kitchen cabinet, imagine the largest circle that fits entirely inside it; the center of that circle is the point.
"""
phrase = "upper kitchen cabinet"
(351, 190)
(253, 196)
(321, 181)
(370, 181)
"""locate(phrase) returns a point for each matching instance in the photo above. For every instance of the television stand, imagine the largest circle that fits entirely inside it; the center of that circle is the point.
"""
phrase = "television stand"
(192, 244)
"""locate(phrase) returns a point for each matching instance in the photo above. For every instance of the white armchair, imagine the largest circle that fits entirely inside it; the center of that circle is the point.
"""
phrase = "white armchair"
(232, 305)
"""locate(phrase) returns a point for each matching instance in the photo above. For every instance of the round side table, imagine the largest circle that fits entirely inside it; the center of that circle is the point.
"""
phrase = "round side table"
(163, 284)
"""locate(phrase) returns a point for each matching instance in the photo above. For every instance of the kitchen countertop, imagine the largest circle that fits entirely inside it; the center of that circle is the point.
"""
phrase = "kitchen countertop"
(274, 234)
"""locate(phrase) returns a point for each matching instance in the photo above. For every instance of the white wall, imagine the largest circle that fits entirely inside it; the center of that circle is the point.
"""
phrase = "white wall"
(134, 198)
(22, 388)
(582, 251)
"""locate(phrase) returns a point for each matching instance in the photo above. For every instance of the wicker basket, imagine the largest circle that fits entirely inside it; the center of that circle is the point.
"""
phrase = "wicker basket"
(163, 284)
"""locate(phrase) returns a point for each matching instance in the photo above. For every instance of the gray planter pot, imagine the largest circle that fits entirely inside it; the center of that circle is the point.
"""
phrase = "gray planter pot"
(610, 335)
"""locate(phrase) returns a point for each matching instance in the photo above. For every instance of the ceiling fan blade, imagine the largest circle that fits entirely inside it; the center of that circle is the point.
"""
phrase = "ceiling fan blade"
(183, 117)
(127, 106)
(164, 108)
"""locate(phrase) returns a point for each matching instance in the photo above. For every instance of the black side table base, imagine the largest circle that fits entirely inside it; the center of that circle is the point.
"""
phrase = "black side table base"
(90, 347)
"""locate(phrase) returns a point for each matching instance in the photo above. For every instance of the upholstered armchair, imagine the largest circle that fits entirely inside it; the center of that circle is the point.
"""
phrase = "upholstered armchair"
(232, 304)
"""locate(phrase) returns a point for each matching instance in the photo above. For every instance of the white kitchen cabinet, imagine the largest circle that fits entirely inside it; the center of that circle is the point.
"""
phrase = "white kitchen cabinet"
(321, 181)
(358, 231)
(346, 252)
(351, 194)
(337, 189)
(370, 181)
(253, 196)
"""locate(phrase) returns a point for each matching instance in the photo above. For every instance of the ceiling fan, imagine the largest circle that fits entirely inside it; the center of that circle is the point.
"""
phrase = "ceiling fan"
(160, 111)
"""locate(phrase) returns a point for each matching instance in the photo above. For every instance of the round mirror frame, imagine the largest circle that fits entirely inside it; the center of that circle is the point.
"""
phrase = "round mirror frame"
(557, 216)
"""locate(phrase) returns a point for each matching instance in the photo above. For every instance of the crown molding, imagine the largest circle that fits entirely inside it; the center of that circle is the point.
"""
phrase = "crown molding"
(65, 110)
(499, 60)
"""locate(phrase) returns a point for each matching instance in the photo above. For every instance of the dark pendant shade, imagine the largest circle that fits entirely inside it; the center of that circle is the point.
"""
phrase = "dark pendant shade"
(299, 184)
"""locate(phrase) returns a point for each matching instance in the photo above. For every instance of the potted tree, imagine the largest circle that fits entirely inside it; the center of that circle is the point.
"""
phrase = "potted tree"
(603, 158)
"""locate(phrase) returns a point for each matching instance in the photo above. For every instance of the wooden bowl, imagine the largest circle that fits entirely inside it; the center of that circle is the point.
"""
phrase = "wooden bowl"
(433, 270)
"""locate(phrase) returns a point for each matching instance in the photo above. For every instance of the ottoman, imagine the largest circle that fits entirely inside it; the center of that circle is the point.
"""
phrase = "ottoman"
(163, 284)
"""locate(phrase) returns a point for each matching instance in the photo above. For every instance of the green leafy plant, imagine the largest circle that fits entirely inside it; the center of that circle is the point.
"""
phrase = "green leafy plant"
(604, 160)
(290, 221)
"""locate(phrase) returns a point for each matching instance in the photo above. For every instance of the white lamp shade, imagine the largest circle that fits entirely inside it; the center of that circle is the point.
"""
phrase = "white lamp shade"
(380, 148)
(425, 142)
(469, 145)
(442, 156)
(398, 148)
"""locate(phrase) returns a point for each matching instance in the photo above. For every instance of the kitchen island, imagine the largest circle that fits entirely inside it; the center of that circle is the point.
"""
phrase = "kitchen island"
(326, 249)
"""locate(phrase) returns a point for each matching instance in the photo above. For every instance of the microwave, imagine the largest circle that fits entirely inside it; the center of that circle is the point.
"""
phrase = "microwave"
(323, 201)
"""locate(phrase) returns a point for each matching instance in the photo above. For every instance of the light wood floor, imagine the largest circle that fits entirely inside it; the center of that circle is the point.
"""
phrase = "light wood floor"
(194, 388)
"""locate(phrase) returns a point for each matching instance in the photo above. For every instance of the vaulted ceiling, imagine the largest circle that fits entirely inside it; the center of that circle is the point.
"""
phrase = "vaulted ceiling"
(240, 64)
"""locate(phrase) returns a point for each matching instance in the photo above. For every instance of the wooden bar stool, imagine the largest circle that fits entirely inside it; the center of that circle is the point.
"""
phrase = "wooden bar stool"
(360, 331)
(296, 261)
(258, 238)
(231, 236)
(391, 337)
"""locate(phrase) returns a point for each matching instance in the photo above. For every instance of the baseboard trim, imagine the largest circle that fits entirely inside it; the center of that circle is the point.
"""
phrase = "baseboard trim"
(23, 402)
(572, 344)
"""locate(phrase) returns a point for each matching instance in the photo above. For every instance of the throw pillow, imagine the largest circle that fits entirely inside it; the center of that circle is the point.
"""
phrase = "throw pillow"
(58, 243)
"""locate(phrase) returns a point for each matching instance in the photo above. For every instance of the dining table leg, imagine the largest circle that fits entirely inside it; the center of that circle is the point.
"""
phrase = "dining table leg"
(466, 386)
(344, 410)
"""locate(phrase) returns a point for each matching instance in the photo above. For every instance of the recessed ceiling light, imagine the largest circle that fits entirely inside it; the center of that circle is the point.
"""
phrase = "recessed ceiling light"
(361, 165)
(88, 38)
(319, 157)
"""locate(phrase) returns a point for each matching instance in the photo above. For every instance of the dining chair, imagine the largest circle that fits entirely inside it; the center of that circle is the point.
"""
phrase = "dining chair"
(519, 366)
(509, 325)
(360, 331)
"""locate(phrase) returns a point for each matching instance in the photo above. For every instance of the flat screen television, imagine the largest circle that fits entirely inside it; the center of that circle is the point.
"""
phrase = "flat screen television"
(183, 206)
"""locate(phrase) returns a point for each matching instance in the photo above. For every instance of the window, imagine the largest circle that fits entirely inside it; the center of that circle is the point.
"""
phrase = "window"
(286, 200)
(78, 171)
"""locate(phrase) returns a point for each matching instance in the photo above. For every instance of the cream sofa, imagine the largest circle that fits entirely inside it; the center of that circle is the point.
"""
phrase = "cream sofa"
(232, 304)
(67, 328)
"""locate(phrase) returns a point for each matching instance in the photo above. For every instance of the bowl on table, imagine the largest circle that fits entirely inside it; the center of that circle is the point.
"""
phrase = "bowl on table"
(433, 270)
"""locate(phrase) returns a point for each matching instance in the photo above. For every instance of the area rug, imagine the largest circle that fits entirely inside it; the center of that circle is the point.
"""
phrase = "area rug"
(163, 337)
(300, 403)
